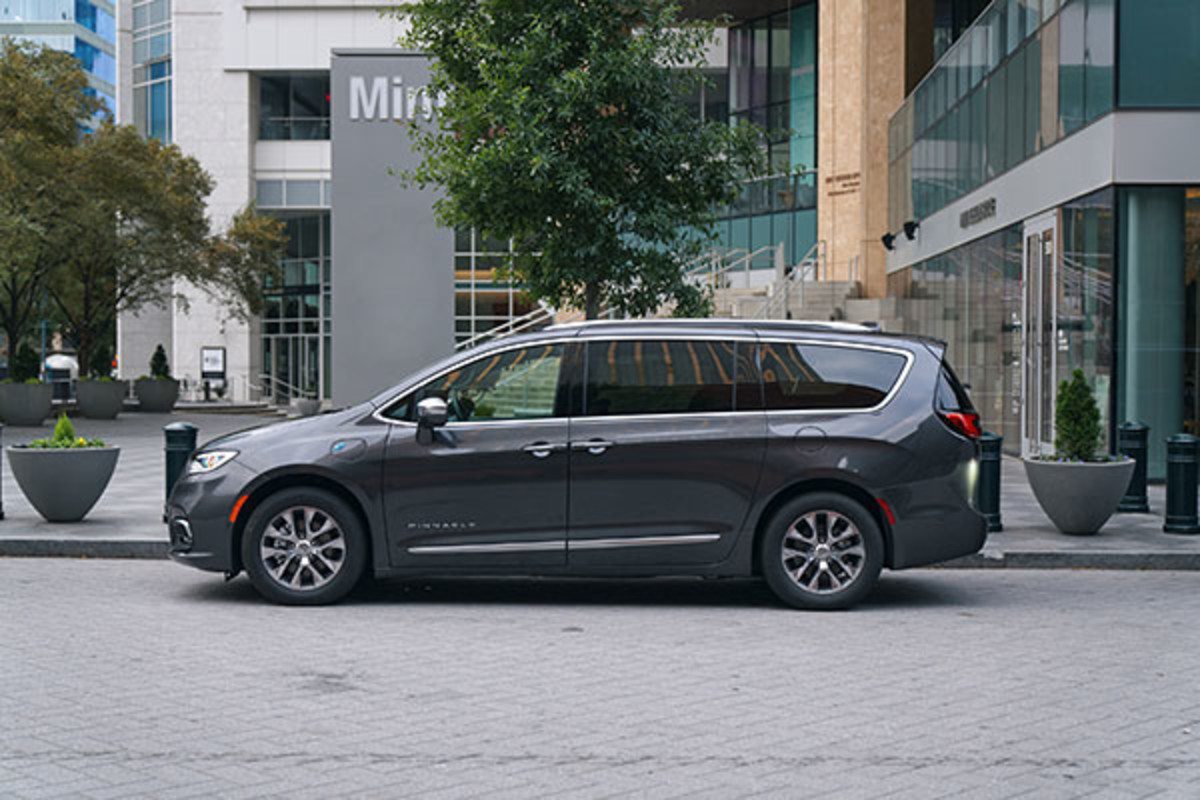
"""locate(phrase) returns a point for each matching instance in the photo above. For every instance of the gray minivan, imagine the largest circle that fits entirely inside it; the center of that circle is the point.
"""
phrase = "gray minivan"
(811, 454)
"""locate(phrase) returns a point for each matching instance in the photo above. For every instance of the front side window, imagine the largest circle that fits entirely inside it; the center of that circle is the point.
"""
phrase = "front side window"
(826, 377)
(513, 384)
(659, 377)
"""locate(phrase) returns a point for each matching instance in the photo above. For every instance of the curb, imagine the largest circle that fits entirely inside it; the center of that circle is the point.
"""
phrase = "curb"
(1070, 559)
(83, 548)
(988, 559)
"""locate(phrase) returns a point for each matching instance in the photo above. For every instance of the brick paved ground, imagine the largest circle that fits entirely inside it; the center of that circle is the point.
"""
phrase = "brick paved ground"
(124, 678)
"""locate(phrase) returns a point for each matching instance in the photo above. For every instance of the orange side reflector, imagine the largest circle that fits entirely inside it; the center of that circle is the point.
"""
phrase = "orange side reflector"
(891, 518)
(238, 507)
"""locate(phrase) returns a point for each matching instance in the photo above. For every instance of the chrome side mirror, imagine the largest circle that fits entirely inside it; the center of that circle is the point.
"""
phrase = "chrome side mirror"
(432, 413)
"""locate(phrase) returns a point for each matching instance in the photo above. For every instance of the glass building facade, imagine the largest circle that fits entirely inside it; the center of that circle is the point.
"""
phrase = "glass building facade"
(152, 107)
(772, 81)
(1107, 282)
(85, 28)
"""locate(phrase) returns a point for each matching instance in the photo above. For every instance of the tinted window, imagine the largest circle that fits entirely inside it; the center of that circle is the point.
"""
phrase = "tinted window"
(514, 384)
(659, 377)
(952, 395)
(805, 376)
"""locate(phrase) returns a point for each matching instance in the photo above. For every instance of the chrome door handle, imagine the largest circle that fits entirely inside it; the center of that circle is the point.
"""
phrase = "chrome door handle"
(542, 449)
(594, 446)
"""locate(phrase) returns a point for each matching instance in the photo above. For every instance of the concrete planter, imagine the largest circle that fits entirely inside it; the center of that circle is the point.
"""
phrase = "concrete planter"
(306, 407)
(100, 399)
(62, 484)
(156, 396)
(25, 404)
(1078, 496)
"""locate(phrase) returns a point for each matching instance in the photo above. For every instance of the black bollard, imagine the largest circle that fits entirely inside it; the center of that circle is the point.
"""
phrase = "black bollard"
(987, 487)
(1182, 450)
(180, 443)
(1131, 441)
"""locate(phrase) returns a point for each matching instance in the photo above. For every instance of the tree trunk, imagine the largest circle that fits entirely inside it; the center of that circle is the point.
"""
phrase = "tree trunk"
(591, 301)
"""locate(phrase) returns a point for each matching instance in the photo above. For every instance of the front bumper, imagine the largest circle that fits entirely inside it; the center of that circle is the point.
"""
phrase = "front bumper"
(198, 518)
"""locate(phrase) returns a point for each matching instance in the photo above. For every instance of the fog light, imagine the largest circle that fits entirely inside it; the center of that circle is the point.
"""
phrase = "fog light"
(181, 533)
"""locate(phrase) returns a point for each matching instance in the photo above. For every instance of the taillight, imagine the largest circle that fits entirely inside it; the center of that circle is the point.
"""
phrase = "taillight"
(964, 422)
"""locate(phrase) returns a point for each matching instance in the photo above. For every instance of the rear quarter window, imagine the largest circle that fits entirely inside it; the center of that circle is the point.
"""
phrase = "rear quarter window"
(826, 377)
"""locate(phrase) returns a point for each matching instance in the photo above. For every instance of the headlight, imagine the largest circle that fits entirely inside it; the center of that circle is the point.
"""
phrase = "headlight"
(207, 462)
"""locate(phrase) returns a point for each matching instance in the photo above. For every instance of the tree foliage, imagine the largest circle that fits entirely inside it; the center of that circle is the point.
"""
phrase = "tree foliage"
(562, 126)
(105, 222)
(1076, 420)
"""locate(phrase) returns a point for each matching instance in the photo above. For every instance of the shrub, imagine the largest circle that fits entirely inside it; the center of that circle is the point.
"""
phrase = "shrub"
(1076, 420)
(64, 438)
(159, 368)
(24, 364)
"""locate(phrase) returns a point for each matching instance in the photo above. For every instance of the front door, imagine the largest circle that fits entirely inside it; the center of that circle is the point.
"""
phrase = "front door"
(489, 488)
(1039, 345)
(663, 469)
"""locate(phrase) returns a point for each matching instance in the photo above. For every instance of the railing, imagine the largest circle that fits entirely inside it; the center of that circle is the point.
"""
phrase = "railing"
(537, 319)
(293, 128)
(269, 391)
(716, 268)
(809, 268)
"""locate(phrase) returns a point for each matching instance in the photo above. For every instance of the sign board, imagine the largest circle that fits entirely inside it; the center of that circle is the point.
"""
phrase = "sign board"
(212, 363)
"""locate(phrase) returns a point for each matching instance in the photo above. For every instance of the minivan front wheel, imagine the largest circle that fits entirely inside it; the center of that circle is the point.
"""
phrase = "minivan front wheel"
(304, 546)
(821, 551)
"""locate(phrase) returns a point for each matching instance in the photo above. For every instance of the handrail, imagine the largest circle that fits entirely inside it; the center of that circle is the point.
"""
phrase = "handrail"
(292, 391)
(540, 316)
(716, 264)
(807, 268)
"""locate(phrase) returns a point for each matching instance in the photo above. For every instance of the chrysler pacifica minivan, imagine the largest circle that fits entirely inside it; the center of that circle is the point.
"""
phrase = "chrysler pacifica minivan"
(812, 455)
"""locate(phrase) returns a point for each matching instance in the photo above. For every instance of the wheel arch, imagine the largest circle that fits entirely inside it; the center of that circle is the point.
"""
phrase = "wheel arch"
(811, 486)
(276, 482)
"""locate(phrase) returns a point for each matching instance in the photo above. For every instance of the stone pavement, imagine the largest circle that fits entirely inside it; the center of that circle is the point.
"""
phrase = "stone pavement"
(146, 679)
(127, 522)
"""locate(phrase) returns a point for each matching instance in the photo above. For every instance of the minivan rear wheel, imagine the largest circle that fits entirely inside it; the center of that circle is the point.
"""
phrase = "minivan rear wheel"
(821, 551)
(304, 546)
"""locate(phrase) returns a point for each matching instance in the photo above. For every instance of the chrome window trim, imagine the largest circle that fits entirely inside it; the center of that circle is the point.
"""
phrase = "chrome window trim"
(897, 385)
(749, 336)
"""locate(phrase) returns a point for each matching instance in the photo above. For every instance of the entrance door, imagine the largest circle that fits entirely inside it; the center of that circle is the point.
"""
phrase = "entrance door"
(1039, 351)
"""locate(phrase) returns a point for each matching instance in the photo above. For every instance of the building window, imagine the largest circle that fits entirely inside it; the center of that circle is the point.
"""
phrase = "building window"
(296, 319)
(293, 107)
(152, 69)
(1160, 60)
(484, 297)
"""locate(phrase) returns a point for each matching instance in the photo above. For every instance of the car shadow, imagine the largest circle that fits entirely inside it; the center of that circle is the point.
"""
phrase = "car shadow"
(894, 592)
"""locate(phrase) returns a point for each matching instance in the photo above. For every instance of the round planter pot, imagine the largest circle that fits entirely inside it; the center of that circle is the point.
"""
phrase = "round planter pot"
(306, 407)
(62, 485)
(1079, 497)
(25, 404)
(156, 396)
(100, 399)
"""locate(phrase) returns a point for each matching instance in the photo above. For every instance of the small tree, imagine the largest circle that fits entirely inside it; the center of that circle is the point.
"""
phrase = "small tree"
(1076, 420)
(159, 368)
(564, 129)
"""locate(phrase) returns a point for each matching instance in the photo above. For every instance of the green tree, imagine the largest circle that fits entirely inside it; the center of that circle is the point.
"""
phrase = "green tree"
(561, 125)
(42, 100)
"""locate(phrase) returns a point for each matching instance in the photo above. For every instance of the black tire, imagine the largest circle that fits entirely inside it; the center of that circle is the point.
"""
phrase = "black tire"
(320, 508)
(809, 578)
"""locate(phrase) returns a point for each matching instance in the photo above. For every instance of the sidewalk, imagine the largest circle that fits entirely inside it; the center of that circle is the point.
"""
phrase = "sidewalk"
(127, 522)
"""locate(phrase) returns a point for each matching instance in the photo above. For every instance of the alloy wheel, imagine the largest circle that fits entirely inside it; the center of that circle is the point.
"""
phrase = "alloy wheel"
(823, 552)
(303, 548)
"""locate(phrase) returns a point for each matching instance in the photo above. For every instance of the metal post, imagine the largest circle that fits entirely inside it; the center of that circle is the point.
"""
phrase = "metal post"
(180, 438)
(1131, 441)
(1181, 517)
(987, 487)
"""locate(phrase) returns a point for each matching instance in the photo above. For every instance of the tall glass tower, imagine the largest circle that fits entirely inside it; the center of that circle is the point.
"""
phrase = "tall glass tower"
(86, 28)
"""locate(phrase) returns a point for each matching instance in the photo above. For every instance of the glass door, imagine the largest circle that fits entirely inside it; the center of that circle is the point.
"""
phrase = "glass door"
(1038, 346)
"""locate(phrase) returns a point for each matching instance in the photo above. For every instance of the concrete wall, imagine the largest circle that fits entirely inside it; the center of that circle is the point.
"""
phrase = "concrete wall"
(393, 278)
